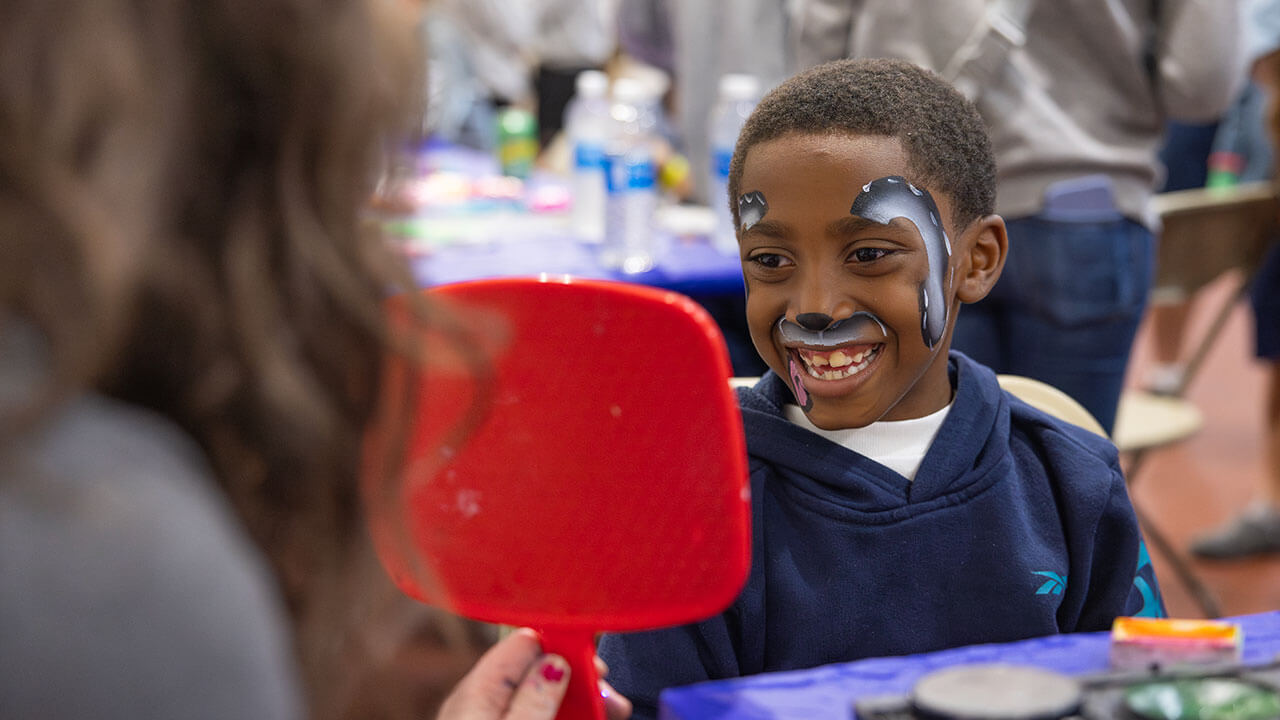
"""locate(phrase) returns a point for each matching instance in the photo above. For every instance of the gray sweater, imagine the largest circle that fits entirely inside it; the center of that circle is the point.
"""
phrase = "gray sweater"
(128, 588)
(1089, 91)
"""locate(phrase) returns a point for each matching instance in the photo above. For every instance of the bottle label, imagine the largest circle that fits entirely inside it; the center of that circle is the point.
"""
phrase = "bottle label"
(589, 156)
(720, 160)
(630, 174)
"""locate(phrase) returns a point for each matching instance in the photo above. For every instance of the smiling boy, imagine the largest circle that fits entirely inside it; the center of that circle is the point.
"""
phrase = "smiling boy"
(902, 502)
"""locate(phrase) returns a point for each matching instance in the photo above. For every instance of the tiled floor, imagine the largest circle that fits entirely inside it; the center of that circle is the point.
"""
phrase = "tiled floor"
(1195, 485)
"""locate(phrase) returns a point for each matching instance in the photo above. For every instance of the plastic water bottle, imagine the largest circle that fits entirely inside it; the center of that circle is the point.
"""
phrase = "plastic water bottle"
(631, 197)
(587, 124)
(738, 95)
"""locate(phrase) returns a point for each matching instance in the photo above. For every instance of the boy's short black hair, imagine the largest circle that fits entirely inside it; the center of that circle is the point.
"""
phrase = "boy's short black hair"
(943, 135)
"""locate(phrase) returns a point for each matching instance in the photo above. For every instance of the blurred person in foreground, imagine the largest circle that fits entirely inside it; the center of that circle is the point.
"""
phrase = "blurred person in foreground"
(191, 334)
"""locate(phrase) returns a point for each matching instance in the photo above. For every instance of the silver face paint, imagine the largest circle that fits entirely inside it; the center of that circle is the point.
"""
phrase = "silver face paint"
(751, 209)
(892, 197)
(860, 328)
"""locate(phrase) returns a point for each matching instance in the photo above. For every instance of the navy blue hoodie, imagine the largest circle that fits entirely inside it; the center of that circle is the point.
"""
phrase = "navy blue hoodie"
(1017, 525)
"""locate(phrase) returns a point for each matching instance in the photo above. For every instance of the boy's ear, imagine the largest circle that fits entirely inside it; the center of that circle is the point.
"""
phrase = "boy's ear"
(985, 252)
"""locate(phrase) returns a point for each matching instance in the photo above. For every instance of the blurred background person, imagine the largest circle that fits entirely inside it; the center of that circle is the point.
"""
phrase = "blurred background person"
(528, 53)
(1185, 158)
(1237, 151)
(1257, 529)
(1076, 95)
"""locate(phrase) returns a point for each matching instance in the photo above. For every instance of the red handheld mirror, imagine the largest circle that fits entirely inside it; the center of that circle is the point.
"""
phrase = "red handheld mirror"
(594, 479)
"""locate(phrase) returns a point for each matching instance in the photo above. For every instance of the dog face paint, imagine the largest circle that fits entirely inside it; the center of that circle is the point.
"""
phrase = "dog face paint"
(859, 327)
(887, 198)
(751, 209)
(834, 306)
(824, 332)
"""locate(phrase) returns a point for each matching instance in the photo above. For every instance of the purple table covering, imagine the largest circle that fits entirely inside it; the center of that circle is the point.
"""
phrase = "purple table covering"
(519, 243)
(692, 268)
(830, 690)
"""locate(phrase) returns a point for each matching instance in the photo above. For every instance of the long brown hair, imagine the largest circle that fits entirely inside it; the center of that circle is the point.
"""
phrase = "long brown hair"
(181, 187)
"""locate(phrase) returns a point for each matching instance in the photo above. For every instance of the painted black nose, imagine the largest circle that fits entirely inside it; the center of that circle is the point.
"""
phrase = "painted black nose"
(813, 321)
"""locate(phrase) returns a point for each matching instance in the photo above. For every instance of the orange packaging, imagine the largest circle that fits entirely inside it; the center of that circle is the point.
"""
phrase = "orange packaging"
(1141, 642)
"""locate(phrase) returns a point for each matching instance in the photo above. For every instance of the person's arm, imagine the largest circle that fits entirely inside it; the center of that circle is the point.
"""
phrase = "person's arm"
(1199, 57)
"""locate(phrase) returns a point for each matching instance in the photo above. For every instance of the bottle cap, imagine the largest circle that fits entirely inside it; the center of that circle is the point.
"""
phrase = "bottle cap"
(591, 83)
(739, 86)
(629, 90)
(1227, 160)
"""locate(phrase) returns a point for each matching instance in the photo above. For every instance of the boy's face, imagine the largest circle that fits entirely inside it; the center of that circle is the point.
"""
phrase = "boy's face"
(847, 298)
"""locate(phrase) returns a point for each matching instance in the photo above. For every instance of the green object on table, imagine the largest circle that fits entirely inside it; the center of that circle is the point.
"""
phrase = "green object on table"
(1203, 699)
(517, 141)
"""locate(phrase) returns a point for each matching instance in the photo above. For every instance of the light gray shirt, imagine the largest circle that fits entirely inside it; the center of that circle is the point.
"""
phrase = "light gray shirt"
(1088, 92)
(128, 589)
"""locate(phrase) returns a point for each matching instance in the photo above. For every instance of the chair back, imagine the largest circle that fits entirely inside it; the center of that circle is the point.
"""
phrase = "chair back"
(1045, 397)
(1208, 231)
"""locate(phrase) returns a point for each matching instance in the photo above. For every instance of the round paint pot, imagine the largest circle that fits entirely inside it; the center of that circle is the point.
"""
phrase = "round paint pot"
(1211, 698)
(996, 692)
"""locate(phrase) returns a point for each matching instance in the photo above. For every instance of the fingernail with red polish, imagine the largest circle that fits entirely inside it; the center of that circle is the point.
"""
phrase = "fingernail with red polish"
(552, 673)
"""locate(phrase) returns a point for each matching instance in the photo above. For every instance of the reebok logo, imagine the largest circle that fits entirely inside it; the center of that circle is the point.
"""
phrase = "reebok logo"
(1054, 585)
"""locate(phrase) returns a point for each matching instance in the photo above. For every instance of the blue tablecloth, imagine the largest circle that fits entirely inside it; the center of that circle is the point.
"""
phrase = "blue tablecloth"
(829, 691)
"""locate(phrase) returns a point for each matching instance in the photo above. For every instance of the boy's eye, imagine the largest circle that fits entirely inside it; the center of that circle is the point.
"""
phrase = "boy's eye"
(866, 255)
(768, 260)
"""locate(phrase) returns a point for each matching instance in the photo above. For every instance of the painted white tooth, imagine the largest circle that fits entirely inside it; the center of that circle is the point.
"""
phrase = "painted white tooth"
(832, 375)
(839, 359)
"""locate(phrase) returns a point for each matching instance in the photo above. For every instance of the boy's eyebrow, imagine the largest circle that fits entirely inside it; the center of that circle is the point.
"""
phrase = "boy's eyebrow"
(855, 223)
(767, 227)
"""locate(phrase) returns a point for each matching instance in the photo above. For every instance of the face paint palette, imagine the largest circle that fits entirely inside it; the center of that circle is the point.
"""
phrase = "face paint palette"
(1203, 699)
(1011, 692)
(576, 464)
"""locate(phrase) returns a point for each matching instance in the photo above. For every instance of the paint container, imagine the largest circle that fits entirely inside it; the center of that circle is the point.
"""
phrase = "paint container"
(1211, 698)
(1170, 642)
(996, 692)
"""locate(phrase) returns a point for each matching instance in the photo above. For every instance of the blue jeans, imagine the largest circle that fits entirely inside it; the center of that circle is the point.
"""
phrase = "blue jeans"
(1264, 296)
(1066, 308)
